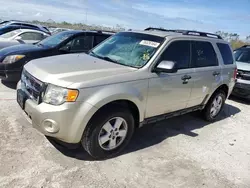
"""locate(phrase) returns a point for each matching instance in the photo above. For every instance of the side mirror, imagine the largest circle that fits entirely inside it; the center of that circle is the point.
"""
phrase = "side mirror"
(18, 38)
(65, 49)
(166, 66)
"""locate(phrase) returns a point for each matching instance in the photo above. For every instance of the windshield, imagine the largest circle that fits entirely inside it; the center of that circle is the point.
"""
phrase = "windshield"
(10, 34)
(55, 40)
(129, 49)
(242, 55)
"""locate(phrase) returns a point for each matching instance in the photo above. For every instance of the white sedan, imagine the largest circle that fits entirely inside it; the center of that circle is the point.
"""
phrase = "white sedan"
(21, 36)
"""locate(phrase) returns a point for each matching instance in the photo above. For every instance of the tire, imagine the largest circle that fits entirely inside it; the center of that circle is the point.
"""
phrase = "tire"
(207, 112)
(91, 137)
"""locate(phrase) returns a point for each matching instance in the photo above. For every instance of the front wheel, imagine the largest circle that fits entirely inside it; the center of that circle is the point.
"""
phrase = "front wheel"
(214, 106)
(108, 132)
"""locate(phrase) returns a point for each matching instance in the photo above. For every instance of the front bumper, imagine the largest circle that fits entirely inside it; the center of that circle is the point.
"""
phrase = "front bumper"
(242, 89)
(69, 119)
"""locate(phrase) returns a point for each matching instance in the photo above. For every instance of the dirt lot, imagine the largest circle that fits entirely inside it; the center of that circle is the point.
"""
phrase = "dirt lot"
(181, 152)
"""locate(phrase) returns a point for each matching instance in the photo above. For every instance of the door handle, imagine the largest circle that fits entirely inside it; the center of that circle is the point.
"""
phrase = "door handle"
(215, 73)
(186, 77)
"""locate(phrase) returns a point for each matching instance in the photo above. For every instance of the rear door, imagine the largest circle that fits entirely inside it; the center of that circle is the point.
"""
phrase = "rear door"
(207, 71)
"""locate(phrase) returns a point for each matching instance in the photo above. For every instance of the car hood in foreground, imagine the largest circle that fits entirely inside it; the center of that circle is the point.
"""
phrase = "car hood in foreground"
(243, 66)
(79, 69)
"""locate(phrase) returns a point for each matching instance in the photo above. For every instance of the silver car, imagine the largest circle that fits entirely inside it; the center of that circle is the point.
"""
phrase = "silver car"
(21, 36)
(131, 79)
(242, 87)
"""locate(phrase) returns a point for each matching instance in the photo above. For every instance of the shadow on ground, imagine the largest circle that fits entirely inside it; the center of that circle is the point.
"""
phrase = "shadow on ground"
(11, 85)
(153, 134)
(240, 100)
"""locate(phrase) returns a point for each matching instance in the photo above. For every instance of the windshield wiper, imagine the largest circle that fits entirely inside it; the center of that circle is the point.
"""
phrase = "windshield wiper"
(109, 59)
(104, 57)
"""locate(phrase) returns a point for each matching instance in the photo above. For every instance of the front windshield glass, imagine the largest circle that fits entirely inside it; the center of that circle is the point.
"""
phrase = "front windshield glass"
(129, 49)
(242, 55)
(55, 40)
(10, 34)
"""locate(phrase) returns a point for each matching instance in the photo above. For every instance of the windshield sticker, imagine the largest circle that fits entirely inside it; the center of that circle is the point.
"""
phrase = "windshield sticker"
(146, 56)
(150, 43)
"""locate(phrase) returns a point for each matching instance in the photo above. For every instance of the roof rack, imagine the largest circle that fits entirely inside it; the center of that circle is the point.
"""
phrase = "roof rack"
(186, 32)
(99, 31)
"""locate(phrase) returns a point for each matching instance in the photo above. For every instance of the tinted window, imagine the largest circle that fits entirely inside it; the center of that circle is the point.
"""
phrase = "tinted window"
(81, 43)
(203, 54)
(226, 53)
(31, 36)
(179, 52)
(100, 38)
(242, 55)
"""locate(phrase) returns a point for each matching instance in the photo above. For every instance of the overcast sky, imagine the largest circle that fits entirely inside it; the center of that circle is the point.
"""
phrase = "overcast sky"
(207, 15)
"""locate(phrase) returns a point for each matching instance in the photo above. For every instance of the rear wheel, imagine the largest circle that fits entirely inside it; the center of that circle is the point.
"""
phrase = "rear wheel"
(214, 106)
(109, 132)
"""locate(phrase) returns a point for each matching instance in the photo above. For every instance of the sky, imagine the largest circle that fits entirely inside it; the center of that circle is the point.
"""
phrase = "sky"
(207, 15)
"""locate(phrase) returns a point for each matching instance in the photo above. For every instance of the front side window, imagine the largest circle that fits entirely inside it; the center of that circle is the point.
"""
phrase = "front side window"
(179, 52)
(203, 54)
(242, 55)
(129, 49)
(81, 43)
(56, 39)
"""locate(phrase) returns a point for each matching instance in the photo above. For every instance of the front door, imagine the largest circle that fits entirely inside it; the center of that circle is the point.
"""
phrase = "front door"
(169, 92)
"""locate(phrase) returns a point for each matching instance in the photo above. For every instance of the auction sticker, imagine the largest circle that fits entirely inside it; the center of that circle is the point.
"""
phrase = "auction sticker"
(150, 43)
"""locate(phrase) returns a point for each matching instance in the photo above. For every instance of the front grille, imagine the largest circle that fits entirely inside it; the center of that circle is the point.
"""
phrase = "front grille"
(31, 86)
(244, 75)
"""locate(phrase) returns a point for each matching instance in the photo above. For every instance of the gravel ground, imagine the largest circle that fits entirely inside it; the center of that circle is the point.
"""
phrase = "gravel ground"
(181, 152)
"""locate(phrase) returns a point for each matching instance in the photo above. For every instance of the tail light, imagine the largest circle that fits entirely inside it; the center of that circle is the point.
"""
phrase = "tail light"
(235, 73)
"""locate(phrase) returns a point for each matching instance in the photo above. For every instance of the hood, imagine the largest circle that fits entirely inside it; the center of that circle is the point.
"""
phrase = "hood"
(20, 49)
(243, 66)
(65, 70)
(7, 43)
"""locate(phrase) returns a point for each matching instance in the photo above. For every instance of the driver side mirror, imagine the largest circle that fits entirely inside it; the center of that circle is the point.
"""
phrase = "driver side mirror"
(19, 39)
(166, 67)
(65, 49)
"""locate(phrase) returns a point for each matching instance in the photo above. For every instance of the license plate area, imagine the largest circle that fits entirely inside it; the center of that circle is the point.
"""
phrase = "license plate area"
(21, 98)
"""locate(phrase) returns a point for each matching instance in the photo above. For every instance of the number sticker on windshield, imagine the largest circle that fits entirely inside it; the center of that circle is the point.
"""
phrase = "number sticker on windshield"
(150, 43)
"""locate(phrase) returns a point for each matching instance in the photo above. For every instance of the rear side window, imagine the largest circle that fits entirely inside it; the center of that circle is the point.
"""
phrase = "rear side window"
(203, 54)
(226, 53)
(178, 51)
(100, 38)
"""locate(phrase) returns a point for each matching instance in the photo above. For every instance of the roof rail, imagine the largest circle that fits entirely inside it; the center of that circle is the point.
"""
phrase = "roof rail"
(186, 32)
(99, 31)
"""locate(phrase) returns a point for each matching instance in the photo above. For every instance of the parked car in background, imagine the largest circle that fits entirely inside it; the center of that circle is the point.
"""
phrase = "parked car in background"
(131, 79)
(242, 86)
(11, 26)
(21, 36)
(15, 57)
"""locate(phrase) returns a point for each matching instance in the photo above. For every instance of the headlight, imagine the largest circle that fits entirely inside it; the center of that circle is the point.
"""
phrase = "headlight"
(12, 59)
(56, 95)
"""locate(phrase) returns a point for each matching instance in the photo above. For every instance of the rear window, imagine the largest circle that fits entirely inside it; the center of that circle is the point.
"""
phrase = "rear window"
(226, 53)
